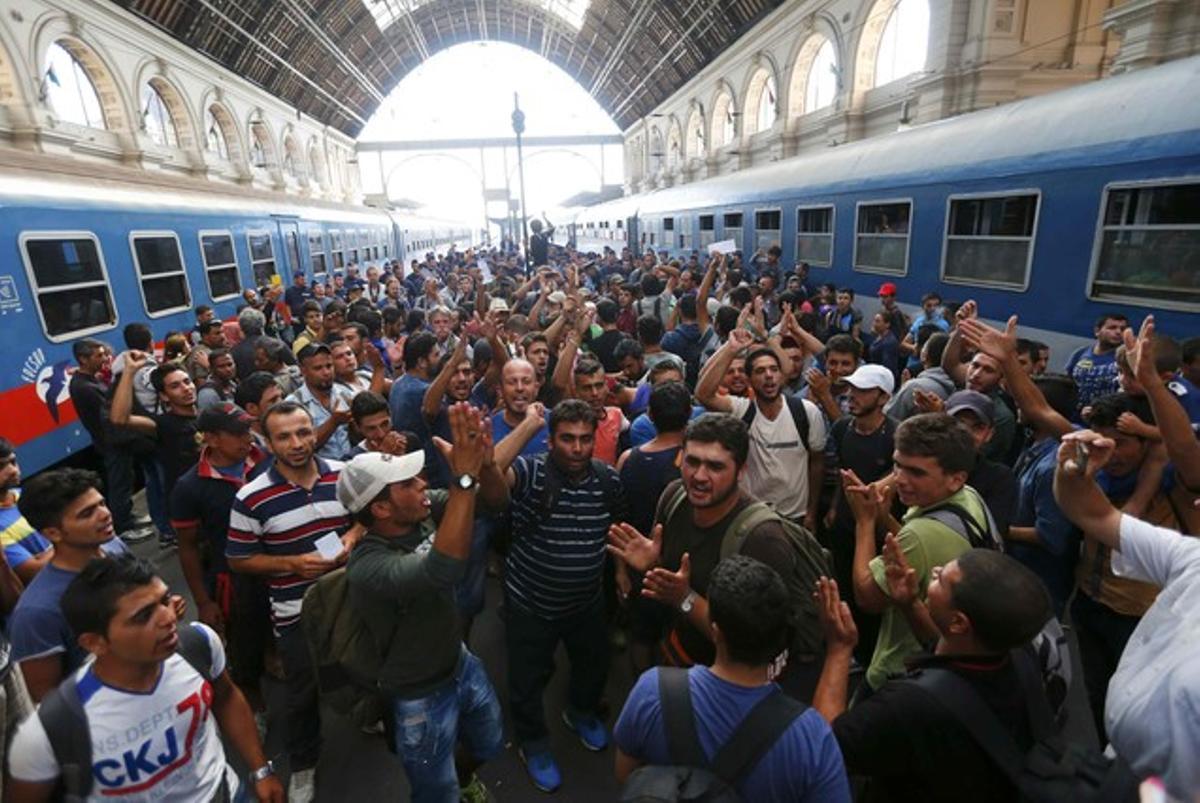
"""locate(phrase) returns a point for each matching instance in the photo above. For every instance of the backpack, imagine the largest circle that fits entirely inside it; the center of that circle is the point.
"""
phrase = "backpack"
(692, 353)
(795, 407)
(691, 776)
(1053, 769)
(958, 519)
(346, 657)
(66, 724)
(812, 561)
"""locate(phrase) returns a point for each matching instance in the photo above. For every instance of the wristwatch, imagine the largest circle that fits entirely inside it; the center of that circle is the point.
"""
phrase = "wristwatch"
(688, 603)
(262, 773)
(466, 482)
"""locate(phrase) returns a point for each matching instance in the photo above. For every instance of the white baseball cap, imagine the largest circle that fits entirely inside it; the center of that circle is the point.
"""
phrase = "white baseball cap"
(872, 376)
(365, 477)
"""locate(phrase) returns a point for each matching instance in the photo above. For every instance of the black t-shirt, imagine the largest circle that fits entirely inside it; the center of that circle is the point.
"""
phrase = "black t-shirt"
(604, 346)
(539, 248)
(178, 446)
(868, 456)
(766, 542)
(997, 485)
(205, 502)
(913, 749)
(87, 395)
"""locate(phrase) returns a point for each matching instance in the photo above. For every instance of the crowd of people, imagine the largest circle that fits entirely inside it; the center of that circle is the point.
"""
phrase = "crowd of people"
(841, 550)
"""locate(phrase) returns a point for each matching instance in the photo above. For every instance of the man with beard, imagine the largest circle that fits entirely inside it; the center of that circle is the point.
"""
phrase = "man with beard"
(26, 550)
(274, 525)
(695, 516)
(1094, 367)
(787, 435)
(222, 380)
(408, 392)
(536, 349)
(373, 420)
(518, 389)
(452, 384)
(327, 405)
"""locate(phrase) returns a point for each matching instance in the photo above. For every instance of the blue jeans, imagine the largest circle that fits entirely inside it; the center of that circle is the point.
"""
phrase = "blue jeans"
(428, 730)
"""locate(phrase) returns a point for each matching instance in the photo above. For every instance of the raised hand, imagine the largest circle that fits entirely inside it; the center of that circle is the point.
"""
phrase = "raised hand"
(928, 402)
(1139, 351)
(472, 439)
(740, 339)
(902, 583)
(668, 587)
(636, 550)
(991, 341)
(967, 311)
(1084, 452)
(840, 630)
(864, 500)
(818, 382)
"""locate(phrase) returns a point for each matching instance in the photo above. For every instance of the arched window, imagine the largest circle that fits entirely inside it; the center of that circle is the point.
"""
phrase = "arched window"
(292, 163)
(722, 123)
(693, 144)
(904, 42)
(258, 148)
(766, 106)
(70, 90)
(822, 84)
(157, 117)
(214, 136)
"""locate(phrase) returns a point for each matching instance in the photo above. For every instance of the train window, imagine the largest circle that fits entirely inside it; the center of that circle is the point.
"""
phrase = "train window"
(989, 239)
(220, 264)
(262, 257)
(732, 227)
(161, 275)
(1147, 244)
(814, 235)
(707, 231)
(668, 224)
(881, 237)
(685, 234)
(70, 282)
(767, 224)
(339, 258)
(316, 254)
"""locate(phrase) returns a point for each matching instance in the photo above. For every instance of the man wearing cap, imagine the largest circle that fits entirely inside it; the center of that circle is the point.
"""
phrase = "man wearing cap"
(274, 525)
(200, 506)
(326, 403)
(897, 321)
(994, 481)
(863, 443)
(402, 579)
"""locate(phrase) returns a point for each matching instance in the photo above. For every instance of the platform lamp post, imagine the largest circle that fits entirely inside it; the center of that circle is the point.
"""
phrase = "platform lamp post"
(518, 124)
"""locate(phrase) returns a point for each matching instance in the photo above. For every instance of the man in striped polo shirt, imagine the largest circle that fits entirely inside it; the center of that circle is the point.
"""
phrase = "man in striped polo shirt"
(274, 525)
(562, 504)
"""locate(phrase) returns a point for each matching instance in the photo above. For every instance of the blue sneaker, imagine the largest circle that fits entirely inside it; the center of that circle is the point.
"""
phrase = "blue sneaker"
(589, 729)
(543, 770)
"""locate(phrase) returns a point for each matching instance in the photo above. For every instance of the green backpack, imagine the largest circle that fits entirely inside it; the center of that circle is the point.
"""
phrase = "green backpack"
(812, 561)
(346, 656)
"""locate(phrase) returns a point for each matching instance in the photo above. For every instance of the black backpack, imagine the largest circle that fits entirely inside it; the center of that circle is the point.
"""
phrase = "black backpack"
(795, 406)
(1053, 769)
(66, 724)
(691, 776)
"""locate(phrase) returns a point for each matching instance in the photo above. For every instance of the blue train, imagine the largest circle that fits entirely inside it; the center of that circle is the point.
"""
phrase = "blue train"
(88, 249)
(1057, 208)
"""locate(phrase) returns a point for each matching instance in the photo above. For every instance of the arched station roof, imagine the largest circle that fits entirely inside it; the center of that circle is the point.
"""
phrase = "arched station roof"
(336, 60)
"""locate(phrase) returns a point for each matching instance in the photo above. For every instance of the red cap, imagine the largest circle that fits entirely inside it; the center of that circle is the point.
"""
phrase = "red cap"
(887, 289)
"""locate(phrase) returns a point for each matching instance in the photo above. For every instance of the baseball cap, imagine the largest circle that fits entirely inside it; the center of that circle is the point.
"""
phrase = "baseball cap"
(498, 305)
(365, 477)
(972, 400)
(872, 376)
(557, 297)
(887, 289)
(224, 417)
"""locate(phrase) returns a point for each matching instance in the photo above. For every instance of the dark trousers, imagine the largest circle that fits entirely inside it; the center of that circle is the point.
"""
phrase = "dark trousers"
(1103, 634)
(531, 644)
(248, 630)
(118, 485)
(303, 717)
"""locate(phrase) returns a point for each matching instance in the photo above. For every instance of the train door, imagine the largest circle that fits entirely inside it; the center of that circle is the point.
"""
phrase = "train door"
(631, 234)
(289, 235)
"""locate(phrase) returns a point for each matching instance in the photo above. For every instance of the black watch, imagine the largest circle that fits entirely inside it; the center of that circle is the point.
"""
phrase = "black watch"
(465, 482)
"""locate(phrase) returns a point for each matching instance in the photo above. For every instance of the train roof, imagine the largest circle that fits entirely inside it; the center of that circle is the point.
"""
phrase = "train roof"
(1072, 127)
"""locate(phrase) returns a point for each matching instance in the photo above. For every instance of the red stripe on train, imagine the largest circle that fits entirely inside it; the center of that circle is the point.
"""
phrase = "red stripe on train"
(25, 417)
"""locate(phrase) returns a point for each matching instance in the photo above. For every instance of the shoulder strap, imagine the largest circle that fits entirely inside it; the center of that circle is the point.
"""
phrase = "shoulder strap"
(743, 524)
(799, 417)
(66, 725)
(609, 484)
(669, 503)
(951, 514)
(756, 734)
(195, 649)
(751, 411)
(675, 696)
(957, 697)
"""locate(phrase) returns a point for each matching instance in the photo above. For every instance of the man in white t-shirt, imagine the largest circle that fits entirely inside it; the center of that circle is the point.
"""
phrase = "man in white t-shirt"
(787, 434)
(148, 702)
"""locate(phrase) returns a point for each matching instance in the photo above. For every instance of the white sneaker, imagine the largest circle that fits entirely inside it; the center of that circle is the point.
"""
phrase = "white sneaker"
(302, 786)
(136, 535)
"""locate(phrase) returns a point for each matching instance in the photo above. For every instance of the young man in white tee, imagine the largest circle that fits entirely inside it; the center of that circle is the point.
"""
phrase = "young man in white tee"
(154, 702)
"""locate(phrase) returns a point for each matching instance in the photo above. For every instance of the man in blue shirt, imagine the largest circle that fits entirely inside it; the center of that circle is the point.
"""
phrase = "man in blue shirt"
(931, 315)
(518, 388)
(1094, 367)
(408, 392)
(25, 549)
(65, 506)
(748, 608)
